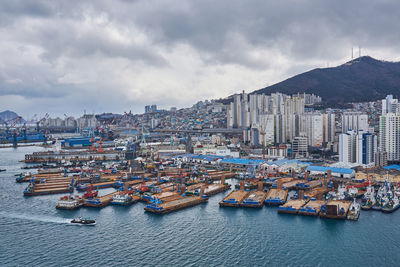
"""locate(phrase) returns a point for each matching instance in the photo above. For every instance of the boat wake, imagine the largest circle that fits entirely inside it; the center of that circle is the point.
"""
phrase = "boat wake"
(36, 218)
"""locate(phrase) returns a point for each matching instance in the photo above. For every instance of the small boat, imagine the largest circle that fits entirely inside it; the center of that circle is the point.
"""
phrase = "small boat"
(2, 170)
(81, 221)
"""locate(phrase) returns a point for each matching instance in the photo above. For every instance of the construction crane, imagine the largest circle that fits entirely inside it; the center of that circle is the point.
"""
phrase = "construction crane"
(46, 116)
(13, 123)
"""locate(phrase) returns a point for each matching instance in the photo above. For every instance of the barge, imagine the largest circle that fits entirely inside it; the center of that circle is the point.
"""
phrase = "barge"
(254, 200)
(43, 189)
(276, 197)
(312, 208)
(292, 206)
(234, 199)
(335, 209)
(99, 202)
(175, 204)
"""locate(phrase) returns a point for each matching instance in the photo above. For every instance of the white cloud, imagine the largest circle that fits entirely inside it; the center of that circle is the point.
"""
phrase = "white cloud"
(64, 57)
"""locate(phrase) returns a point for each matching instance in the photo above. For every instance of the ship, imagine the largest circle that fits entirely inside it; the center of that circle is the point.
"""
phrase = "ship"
(69, 203)
(382, 197)
(354, 211)
(124, 198)
(369, 198)
(392, 205)
(341, 193)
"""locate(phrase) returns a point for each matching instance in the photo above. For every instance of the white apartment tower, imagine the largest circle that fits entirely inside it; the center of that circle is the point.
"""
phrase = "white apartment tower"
(389, 135)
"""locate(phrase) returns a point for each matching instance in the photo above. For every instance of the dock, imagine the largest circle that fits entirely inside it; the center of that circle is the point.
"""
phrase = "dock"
(175, 205)
(292, 206)
(312, 208)
(99, 202)
(234, 199)
(276, 197)
(335, 209)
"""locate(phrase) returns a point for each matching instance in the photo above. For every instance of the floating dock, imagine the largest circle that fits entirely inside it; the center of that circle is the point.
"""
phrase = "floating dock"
(312, 208)
(255, 199)
(276, 197)
(292, 206)
(234, 199)
(335, 209)
(175, 205)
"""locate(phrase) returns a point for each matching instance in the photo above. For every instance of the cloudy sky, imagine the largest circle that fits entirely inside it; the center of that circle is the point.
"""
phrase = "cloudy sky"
(114, 56)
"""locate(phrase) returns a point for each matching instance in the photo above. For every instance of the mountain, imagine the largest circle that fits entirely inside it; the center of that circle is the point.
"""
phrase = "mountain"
(359, 80)
(9, 116)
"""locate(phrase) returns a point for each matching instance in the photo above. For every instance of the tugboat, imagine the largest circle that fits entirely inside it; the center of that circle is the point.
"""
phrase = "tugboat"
(124, 198)
(341, 193)
(382, 198)
(352, 192)
(69, 203)
(369, 198)
(392, 205)
(354, 211)
(81, 221)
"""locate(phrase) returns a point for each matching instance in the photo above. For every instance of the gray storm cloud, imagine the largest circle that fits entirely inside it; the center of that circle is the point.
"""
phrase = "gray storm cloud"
(67, 56)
